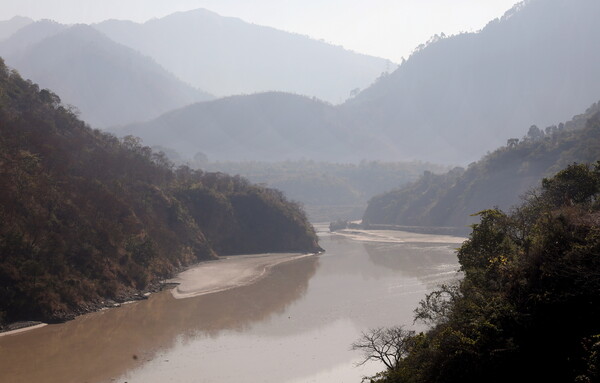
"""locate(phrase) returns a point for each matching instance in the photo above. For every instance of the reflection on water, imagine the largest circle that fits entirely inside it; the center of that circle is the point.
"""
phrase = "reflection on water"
(295, 325)
(101, 346)
(428, 262)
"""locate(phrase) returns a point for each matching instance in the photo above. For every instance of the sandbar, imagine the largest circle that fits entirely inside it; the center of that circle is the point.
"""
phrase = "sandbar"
(227, 273)
(23, 329)
(397, 236)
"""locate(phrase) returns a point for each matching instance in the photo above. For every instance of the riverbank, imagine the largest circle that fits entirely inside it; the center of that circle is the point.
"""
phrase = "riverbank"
(227, 273)
(202, 278)
(397, 236)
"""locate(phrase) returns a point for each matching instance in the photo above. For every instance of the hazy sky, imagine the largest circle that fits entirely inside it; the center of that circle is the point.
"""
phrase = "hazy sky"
(385, 28)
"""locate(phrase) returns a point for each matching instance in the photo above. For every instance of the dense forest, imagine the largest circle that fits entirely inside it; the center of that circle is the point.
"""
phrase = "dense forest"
(86, 217)
(498, 179)
(527, 309)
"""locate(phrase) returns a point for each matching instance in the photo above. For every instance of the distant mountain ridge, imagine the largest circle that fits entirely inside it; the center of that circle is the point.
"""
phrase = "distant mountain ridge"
(227, 56)
(270, 126)
(9, 27)
(109, 83)
(450, 102)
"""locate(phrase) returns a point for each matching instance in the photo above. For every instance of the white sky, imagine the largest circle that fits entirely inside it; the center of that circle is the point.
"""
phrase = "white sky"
(384, 28)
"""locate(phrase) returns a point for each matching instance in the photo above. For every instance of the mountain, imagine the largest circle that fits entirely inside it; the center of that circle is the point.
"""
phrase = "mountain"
(30, 35)
(457, 97)
(9, 27)
(86, 217)
(227, 56)
(269, 126)
(498, 179)
(450, 102)
(109, 83)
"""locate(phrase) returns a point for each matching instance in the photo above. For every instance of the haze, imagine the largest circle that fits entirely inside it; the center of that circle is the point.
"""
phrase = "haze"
(384, 28)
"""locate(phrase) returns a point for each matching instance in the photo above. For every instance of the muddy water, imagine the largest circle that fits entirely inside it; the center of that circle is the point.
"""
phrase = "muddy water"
(294, 325)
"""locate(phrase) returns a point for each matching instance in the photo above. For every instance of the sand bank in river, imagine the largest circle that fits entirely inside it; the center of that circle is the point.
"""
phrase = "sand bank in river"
(227, 273)
(396, 236)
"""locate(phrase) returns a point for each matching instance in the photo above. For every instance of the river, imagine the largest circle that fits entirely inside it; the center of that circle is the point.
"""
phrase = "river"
(294, 325)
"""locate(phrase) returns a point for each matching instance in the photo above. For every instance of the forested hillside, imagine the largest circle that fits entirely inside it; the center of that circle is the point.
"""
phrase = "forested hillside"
(328, 191)
(271, 126)
(459, 96)
(498, 179)
(110, 84)
(85, 216)
(528, 308)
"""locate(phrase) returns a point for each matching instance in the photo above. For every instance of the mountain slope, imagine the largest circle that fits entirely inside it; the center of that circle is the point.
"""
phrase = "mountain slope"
(85, 217)
(109, 83)
(498, 179)
(460, 96)
(227, 56)
(267, 127)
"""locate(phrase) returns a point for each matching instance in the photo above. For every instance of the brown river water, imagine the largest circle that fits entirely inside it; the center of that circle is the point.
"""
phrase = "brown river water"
(293, 325)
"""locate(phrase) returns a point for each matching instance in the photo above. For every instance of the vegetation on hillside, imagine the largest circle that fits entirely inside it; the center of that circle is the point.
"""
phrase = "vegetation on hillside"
(328, 191)
(528, 307)
(498, 179)
(86, 217)
(460, 96)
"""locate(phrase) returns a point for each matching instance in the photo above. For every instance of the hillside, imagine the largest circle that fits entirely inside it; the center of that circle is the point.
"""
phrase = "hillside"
(498, 179)
(269, 126)
(87, 217)
(108, 83)
(328, 191)
(527, 308)
(227, 56)
(457, 97)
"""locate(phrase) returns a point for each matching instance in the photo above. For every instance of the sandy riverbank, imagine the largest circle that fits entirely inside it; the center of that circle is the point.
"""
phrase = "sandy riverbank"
(396, 236)
(227, 273)
(22, 329)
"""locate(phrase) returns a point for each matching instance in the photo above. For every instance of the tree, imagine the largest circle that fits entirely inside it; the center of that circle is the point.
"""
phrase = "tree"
(534, 133)
(575, 184)
(386, 345)
(512, 142)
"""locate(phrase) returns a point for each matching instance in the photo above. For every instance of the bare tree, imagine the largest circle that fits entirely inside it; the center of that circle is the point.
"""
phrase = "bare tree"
(387, 345)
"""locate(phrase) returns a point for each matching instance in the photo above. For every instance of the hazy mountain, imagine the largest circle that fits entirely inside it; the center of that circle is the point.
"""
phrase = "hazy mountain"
(450, 102)
(227, 56)
(109, 83)
(9, 27)
(266, 127)
(28, 36)
(460, 96)
(498, 179)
